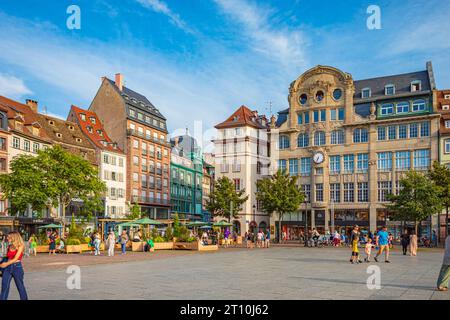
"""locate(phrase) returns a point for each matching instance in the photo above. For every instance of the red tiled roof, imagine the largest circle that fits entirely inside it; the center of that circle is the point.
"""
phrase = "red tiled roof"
(243, 116)
(98, 135)
(13, 108)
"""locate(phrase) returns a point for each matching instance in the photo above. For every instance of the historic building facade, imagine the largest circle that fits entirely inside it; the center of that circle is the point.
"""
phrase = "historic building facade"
(111, 160)
(350, 142)
(140, 130)
(443, 107)
(187, 175)
(242, 154)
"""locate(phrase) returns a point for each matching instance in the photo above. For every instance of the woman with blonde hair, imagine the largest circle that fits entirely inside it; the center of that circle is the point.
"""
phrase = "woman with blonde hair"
(12, 268)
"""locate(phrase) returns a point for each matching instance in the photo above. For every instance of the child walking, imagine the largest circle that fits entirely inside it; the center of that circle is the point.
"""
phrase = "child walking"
(368, 250)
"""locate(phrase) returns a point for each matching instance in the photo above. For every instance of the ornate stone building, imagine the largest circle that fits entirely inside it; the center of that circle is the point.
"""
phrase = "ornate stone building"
(350, 142)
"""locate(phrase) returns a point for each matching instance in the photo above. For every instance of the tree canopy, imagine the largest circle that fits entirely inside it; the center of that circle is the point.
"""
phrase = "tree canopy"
(55, 176)
(440, 175)
(417, 199)
(279, 193)
(225, 201)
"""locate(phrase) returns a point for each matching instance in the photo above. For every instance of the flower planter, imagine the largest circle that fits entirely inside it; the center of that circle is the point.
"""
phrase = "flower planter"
(74, 248)
(42, 249)
(239, 240)
(185, 245)
(163, 245)
(137, 246)
(211, 247)
(85, 247)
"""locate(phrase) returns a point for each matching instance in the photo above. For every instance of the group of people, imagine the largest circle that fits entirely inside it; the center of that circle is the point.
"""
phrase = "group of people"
(260, 239)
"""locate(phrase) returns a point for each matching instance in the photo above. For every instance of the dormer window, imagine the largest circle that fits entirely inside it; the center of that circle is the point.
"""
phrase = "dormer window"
(83, 116)
(78, 140)
(447, 97)
(59, 135)
(446, 107)
(366, 93)
(92, 119)
(105, 143)
(389, 89)
(71, 128)
(51, 122)
(89, 128)
(100, 133)
(416, 86)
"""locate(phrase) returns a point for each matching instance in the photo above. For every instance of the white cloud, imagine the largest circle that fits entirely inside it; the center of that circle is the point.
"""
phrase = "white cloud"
(266, 36)
(161, 7)
(11, 86)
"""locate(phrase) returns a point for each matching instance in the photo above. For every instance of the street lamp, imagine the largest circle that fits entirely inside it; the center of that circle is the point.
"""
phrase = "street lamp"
(306, 223)
(254, 215)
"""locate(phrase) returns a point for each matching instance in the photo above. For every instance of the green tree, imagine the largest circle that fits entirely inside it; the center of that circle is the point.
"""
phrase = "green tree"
(176, 225)
(134, 211)
(279, 193)
(54, 177)
(417, 199)
(225, 201)
(440, 175)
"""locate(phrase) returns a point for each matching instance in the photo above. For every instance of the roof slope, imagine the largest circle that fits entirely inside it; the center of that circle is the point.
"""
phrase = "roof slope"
(96, 134)
(243, 116)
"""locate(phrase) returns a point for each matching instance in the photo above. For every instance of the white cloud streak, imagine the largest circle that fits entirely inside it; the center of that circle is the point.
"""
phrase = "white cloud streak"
(161, 7)
(13, 87)
(281, 43)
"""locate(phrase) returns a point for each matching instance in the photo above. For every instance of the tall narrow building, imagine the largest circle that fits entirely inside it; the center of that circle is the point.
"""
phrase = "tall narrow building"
(241, 154)
(140, 130)
(350, 142)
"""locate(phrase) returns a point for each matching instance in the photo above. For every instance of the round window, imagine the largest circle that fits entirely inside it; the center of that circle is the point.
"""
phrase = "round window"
(337, 94)
(303, 98)
(319, 95)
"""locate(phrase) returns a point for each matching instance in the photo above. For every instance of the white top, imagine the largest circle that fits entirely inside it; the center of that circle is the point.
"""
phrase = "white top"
(447, 252)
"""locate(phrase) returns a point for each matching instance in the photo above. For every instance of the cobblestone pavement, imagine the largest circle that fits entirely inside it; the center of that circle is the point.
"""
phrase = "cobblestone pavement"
(284, 272)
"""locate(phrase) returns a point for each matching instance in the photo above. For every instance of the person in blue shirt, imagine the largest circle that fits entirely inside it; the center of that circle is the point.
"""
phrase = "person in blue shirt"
(383, 244)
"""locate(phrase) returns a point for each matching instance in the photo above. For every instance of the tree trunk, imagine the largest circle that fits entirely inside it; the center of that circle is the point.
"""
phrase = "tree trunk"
(446, 222)
(280, 237)
(416, 227)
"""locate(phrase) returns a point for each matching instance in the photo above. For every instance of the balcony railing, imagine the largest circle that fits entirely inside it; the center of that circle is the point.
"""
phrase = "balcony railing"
(153, 200)
(135, 133)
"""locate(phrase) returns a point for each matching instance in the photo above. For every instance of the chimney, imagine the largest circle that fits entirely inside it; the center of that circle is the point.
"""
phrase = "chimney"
(33, 104)
(119, 81)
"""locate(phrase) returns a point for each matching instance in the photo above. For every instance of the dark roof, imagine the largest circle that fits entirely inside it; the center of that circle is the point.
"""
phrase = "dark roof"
(186, 144)
(363, 109)
(402, 83)
(135, 99)
(282, 117)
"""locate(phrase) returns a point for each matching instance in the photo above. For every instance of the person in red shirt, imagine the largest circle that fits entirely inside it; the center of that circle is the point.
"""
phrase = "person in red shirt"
(12, 268)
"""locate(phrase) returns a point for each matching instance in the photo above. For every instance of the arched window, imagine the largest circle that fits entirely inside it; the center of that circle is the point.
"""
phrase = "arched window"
(403, 107)
(284, 142)
(387, 108)
(303, 140)
(319, 138)
(419, 105)
(337, 137)
(360, 135)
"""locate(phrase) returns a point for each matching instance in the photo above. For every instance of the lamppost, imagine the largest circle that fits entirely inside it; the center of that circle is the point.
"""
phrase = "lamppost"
(254, 215)
(306, 223)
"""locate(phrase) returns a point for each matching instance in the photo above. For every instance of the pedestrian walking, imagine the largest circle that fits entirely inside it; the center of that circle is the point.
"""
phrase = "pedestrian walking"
(368, 249)
(413, 244)
(111, 242)
(404, 241)
(11, 266)
(123, 241)
(33, 244)
(259, 239)
(354, 239)
(444, 275)
(97, 243)
(52, 243)
(383, 243)
(267, 238)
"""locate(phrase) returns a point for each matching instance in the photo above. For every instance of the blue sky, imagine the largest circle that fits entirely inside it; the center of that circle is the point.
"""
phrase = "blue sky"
(201, 59)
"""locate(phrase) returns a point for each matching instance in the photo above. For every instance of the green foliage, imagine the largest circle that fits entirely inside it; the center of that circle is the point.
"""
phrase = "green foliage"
(159, 239)
(191, 239)
(154, 233)
(42, 238)
(73, 242)
(418, 198)
(53, 177)
(279, 193)
(225, 201)
(169, 233)
(183, 234)
(135, 211)
(176, 225)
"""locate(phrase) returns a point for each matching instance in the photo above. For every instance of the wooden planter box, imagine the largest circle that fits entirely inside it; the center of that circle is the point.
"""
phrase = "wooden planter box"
(137, 246)
(42, 249)
(186, 245)
(163, 245)
(74, 248)
(211, 247)
(85, 247)
(239, 240)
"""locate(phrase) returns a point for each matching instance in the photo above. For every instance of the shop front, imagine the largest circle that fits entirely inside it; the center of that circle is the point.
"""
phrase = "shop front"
(28, 226)
(396, 228)
(6, 225)
(345, 220)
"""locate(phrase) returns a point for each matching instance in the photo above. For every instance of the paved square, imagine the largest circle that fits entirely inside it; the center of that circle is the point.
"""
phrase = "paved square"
(275, 273)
